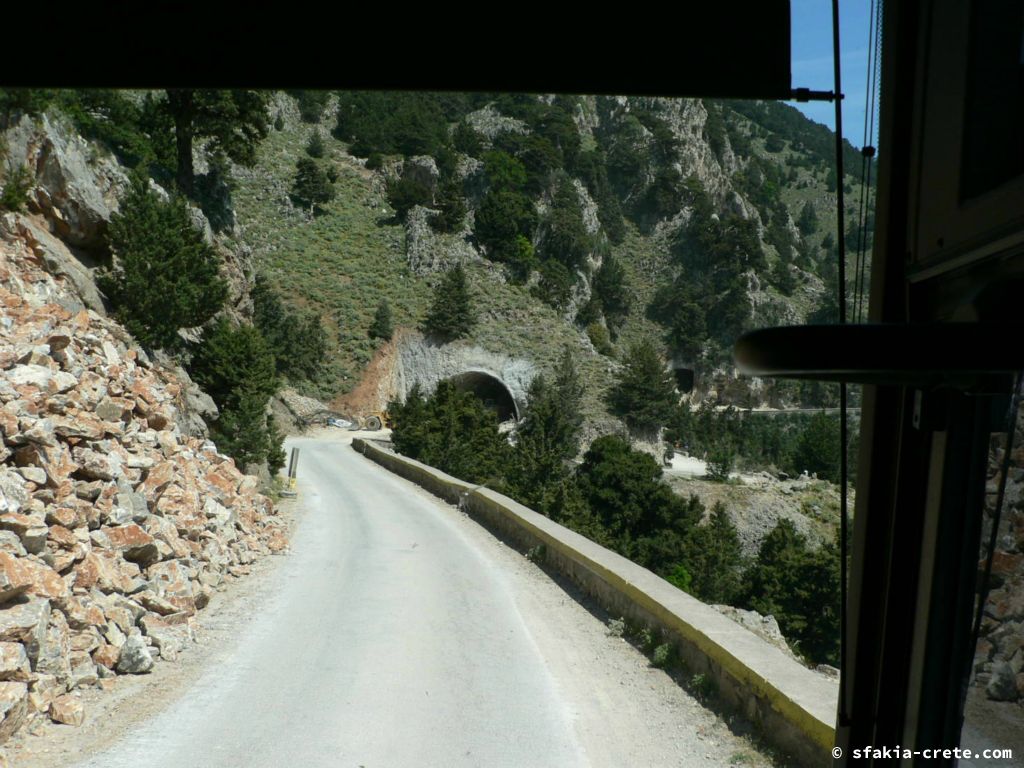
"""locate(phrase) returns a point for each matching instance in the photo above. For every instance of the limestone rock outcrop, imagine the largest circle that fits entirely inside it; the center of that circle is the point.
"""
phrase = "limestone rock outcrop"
(76, 185)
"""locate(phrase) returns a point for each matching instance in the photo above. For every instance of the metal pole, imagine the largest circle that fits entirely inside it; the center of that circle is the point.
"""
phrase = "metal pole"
(844, 715)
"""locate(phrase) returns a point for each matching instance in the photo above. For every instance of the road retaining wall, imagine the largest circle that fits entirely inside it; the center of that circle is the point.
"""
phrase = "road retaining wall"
(793, 706)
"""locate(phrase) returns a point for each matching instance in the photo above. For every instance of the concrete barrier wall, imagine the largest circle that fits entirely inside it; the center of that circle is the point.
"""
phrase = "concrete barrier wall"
(794, 707)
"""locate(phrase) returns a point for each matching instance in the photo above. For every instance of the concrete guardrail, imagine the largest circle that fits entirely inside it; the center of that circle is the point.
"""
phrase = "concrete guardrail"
(794, 707)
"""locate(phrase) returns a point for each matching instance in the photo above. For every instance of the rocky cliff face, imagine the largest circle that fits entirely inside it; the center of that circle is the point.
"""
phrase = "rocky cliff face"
(999, 657)
(117, 519)
(75, 188)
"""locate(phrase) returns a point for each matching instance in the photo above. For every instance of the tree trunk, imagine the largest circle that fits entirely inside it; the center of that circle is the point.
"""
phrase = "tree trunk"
(182, 106)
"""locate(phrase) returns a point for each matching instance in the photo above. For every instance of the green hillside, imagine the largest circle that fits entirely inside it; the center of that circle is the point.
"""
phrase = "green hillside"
(643, 168)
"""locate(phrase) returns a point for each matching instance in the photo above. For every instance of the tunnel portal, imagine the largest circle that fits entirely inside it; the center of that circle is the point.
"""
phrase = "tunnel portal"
(489, 389)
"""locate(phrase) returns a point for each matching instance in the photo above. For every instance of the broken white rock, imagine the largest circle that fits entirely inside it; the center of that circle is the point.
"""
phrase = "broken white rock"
(135, 657)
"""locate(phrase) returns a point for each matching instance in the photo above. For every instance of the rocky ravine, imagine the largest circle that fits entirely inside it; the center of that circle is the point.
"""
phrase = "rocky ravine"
(116, 521)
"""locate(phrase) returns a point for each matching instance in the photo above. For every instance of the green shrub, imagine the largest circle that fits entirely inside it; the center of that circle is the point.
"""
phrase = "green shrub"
(14, 196)
(165, 276)
(703, 686)
(598, 336)
(279, 122)
(375, 161)
(662, 656)
(405, 194)
(680, 577)
(315, 146)
(381, 327)
(721, 460)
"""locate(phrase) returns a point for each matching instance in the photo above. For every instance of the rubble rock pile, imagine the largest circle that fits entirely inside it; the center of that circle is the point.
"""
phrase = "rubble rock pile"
(999, 656)
(116, 525)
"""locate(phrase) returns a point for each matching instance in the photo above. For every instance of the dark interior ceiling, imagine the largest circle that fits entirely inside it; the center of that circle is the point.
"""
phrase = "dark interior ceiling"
(726, 49)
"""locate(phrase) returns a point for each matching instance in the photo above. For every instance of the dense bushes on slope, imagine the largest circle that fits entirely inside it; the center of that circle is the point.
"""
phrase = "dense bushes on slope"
(450, 430)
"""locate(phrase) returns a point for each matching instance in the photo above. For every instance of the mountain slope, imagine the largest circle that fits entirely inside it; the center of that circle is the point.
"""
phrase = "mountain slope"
(648, 174)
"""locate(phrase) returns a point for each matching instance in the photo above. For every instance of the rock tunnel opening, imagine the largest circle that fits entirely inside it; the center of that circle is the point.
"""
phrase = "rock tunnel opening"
(684, 379)
(490, 390)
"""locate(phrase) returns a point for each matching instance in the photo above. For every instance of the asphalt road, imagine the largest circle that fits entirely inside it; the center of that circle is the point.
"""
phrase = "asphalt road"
(399, 633)
(390, 642)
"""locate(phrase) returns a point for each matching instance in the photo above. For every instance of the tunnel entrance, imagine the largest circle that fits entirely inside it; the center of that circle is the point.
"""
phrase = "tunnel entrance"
(490, 390)
(684, 379)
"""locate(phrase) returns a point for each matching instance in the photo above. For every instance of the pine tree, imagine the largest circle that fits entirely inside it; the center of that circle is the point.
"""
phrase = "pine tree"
(555, 285)
(570, 389)
(405, 194)
(315, 146)
(451, 314)
(165, 276)
(612, 289)
(818, 451)
(234, 122)
(566, 238)
(236, 368)
(230, 361)
(298, 343)
(800, 588)
(451, 208)
(311, 187)
(714, 558)
(450, 430)
(241, 430)
(546, 438)
(309, 350)
(807, 222)
(644, 394)
(381, 327)
(633, 509)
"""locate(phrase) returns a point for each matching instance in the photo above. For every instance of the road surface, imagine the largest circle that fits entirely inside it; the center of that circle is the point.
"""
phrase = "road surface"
(401, 634)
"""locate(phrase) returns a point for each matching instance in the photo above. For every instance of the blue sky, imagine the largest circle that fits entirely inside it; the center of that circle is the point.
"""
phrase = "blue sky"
(812, 59)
